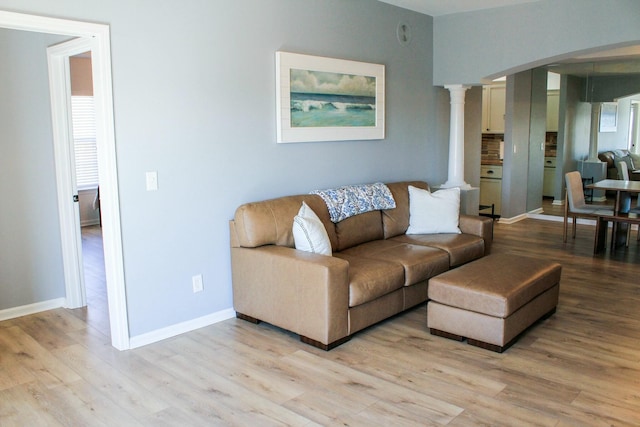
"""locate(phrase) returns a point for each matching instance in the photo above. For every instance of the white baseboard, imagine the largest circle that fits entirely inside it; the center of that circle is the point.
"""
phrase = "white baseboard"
(512, 220)
(180, 328)
(536, 211)
(25, 310)
(581, 221)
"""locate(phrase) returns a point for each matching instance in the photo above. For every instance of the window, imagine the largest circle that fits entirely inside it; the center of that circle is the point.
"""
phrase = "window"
(84, 139)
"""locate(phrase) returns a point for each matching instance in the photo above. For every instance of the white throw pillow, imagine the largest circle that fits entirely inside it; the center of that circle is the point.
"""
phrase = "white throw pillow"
(309, 233)
(431, 213)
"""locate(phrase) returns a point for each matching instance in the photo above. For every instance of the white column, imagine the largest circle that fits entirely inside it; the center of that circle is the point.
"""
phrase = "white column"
(593, 137)
(456, 138)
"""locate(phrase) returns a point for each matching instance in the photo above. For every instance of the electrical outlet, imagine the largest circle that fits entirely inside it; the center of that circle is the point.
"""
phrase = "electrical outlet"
(197, 283)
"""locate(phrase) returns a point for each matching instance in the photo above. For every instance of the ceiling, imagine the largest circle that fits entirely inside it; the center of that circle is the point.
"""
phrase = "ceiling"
(610, 62)
(446, 7)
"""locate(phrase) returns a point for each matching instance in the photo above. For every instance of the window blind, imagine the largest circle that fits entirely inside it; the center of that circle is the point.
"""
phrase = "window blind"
(84, 139)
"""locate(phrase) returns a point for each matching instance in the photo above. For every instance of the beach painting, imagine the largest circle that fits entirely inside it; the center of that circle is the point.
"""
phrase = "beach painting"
(332, 99)
(326, 99)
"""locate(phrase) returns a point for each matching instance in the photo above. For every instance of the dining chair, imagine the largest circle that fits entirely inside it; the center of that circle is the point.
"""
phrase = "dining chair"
(625, 198)
(575, 205)
(623, 173)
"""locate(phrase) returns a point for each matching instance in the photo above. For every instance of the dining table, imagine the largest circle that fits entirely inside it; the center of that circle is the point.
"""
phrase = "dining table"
(621, 217)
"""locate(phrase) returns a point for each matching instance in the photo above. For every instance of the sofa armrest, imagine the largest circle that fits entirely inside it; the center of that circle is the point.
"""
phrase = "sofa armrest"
(302, 292)
(480, 226)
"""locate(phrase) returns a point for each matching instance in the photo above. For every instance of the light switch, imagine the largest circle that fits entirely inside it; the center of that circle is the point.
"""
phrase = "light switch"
(152, 181)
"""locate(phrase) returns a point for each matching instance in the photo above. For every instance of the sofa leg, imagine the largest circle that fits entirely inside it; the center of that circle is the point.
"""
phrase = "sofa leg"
(247, 318)
(490, 347)
(439, 333)
(322, 346)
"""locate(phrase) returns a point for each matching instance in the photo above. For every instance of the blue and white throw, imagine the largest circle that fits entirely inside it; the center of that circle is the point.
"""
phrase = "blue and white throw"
(351, 200)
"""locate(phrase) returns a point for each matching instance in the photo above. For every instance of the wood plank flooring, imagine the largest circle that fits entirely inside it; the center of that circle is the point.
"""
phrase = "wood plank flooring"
(581, 367)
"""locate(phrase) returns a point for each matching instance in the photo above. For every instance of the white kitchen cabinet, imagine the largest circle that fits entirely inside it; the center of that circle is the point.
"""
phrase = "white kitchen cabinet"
(549, 179)
(553, 109)
(491, 193)
(493, 108)
(491, 187)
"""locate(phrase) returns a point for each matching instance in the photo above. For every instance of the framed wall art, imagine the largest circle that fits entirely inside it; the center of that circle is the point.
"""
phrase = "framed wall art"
(327, 99)
(609, 117)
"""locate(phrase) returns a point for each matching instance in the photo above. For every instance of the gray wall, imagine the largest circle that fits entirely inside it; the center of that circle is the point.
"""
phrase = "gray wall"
(30, 254)
(195, 100)
(516, 144)
(537, 136)
(469, 47)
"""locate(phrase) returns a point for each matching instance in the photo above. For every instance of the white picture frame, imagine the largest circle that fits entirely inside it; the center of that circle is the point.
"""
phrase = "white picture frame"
(327, 99)
(609, 117)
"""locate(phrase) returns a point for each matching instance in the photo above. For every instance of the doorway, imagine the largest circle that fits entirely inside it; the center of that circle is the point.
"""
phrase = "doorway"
(85, 159)
(96, 37)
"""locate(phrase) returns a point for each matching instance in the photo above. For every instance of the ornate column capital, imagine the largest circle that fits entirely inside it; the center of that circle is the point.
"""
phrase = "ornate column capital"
(457, 93)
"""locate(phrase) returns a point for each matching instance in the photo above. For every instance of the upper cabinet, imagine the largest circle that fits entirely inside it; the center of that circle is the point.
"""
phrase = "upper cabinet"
(553, 97)
(493, 108)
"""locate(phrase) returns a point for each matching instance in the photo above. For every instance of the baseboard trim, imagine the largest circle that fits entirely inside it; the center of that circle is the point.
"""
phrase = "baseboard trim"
(180, 328)
(512, 220)
(25, 310)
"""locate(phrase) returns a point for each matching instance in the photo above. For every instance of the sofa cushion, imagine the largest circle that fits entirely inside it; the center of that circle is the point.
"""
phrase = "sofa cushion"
(309, 233)
(371, 278)
(270, 222)
(437, 212)
(396, 221)
(461, 248)
(419, 262)
(358, 229)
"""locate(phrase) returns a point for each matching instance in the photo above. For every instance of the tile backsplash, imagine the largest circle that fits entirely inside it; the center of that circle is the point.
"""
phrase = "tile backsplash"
(491, 146)
(491, 143)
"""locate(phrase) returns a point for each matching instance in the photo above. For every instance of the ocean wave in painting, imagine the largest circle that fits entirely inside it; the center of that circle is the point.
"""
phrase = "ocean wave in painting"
(327, 110)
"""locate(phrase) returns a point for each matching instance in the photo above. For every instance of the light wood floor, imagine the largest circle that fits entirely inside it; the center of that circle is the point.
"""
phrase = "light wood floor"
(581, 367)
(96, 314)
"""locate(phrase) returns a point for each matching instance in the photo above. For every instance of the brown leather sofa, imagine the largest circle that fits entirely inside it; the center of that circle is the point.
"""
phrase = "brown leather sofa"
(376, 270)
(610, 158)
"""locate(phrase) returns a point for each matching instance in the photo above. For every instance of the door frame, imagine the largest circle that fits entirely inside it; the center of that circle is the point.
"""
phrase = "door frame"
(64, 155)
(98, 36)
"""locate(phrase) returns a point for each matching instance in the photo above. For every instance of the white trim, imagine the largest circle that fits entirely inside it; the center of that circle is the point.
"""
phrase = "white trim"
(42, 24)
(512, 220)
(71, 238)
(546, 217)
(110, 204)
(181, 328)
(109, 197)
(25, 310)
(581, 221)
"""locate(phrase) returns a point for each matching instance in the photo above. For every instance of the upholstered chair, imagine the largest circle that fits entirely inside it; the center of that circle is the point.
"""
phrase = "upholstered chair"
(575, 205)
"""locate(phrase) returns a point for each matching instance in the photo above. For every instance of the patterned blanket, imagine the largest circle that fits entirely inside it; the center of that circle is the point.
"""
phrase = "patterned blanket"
(351, 200)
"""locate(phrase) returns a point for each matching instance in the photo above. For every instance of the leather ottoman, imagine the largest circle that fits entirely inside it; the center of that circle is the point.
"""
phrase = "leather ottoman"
(492, 300)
